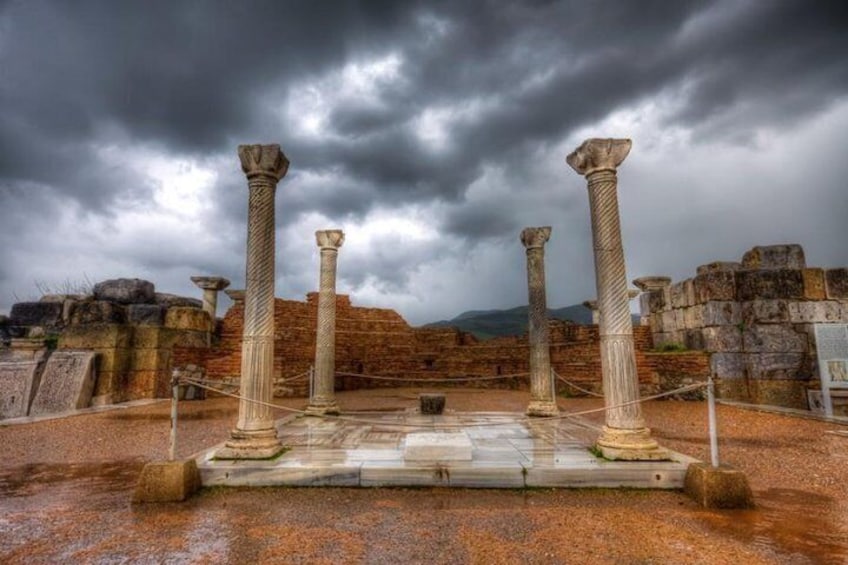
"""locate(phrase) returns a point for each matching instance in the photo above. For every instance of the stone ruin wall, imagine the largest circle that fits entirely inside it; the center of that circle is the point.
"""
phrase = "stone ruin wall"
(755, 318)
(380, 342)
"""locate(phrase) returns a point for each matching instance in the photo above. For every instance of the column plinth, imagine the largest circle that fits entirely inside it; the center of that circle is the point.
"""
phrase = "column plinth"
(323, 399)
(625, 435)
(254, 436)
(542, 401)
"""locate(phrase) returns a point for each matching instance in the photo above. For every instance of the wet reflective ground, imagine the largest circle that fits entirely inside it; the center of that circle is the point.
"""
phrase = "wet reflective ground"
(65, 488)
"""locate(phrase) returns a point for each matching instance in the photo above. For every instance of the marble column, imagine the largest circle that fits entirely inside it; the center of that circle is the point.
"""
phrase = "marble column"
(649, 285)
(625, 435)
(542, 402)
(593, 306)
(255, 436)
(323, 399)
(210, 287)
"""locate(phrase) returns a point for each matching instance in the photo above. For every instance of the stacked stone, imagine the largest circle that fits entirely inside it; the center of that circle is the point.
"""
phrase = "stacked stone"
(755, 318)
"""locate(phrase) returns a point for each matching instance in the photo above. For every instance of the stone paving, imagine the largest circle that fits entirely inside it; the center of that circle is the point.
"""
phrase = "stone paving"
(467, 449)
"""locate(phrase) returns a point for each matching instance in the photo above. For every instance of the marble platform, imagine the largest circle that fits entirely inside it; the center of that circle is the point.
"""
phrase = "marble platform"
(508, 450)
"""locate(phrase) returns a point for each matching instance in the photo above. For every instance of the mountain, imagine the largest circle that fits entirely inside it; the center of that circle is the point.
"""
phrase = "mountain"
(486, 324)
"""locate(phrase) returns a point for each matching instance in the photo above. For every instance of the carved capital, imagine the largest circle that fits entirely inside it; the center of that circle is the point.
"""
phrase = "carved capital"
(329, 239)
(263, 160)
(211, 283)
(647, 284)
(535, 237)
(598, 155)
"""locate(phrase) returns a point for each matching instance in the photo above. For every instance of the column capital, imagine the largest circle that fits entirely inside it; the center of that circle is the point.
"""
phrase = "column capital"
(210, 283)
(263, 160)
(535, 237)
(596, 154)
(329, 239)
(647, 284)
(235, 294)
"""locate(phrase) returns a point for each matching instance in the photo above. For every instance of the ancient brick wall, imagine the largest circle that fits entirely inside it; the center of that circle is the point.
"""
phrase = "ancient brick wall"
(755, 318)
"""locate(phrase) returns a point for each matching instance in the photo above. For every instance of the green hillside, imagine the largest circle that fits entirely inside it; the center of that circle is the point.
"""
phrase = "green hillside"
(486, 324)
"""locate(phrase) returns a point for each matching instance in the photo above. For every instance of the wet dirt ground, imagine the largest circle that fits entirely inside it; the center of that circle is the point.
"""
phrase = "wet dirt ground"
(65, 489)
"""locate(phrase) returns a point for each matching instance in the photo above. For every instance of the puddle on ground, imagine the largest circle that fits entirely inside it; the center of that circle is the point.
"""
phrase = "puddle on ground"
(796, 524)
(33, 479)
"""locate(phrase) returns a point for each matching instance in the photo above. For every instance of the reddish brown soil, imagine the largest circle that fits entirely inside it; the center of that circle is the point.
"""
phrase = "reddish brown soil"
(65, 490)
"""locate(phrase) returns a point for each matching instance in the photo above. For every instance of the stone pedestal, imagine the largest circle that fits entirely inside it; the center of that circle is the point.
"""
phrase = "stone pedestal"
(542, 402)
(625, 435)
(167, 481)
(718, 487)
(323, 399)
(648, 285)
(255, 436)
(210, 287)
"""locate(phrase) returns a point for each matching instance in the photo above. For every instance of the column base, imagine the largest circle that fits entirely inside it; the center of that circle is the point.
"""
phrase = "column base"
(323, 408)
(243, 444)
(620, 444)
(542, 409)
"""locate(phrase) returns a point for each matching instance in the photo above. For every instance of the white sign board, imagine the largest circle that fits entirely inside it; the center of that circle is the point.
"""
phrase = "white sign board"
(832, 351)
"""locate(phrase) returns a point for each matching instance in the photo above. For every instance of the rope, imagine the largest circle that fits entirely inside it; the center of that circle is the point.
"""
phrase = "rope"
(444, 380)
(574, 386)
(571, 415)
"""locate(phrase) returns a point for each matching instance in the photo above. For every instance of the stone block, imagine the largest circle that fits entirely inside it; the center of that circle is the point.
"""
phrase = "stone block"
(147, 384)
(693, 317)
(184, 318)
(18, 383)
(765, 312)
(149, 359)
(789, 256)
(774, 338)
(657, 301)
(718, 487)
(733, 389)
(437, 446)
(718, 266)
(167, 481)
(814, 288)
(66, 384)
(714, 285)
(113, 359)
(174, 301)
(99, 336)
(682, 294)
(776, 283)
(785, 393)
(145, 314)
(125, 291)
(185, 338)
(693, 339)
(98, 312)
(431, 403)
(728, 365)
(655, 322)
(722, 339)
(778, 366)
(721, 313)
(109, 387)
(47, 314)
(816, 312)
(836, 281)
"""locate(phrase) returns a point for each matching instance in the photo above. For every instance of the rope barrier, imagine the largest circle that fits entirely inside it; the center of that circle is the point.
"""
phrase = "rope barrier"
(439, 380)
(574, 386)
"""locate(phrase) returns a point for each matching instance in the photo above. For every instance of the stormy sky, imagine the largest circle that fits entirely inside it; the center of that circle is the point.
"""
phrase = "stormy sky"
(431, 132)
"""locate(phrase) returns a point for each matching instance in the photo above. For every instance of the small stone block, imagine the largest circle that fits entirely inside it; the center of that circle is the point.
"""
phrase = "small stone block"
(775, 257)
(125, 291)
(98, 312)
(184, 318)
(35, 314)
(814, 284)
(718, 487)
(146, 314)
(432, 403)
(775, 283)
(836, 281)
(436, 446)
(167, 481)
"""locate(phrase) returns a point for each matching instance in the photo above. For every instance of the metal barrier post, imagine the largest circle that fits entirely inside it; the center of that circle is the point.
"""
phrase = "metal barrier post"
(711, 414)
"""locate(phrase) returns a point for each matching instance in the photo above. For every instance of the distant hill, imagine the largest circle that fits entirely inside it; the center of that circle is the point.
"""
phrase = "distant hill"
(486, 324)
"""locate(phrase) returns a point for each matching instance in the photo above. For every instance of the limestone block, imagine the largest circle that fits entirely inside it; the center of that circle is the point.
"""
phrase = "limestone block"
(775, 257)
(786, 393)
(733, 389)
(172, 300)
(814, 288)
(728, 365)
(125, 291)
(147, 384)
(778, 366)
(109, 387)
(98, 312)
(100, 336)
(184, 338)
(722, 338)
(145, 314)
(657, 301)
(431, 403)
(149, 359)
(655, 322)
(66, 384)
(836, 281)
(774, 338)
(765, 312)
(718, 487)
(693, 317)
(721, 313)
(183, 318)
(36, 314)
(775, 283)
(693, 339)
(682, 294)
(715, 285)
(437, 446)
(18, 383)
(718, 266)
(117, 360)
(815, 312)
(167, 481)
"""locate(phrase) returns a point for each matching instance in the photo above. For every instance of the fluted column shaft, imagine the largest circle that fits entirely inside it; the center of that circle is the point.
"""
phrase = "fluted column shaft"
(624, 436)
(323, 395)
(542, 401)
